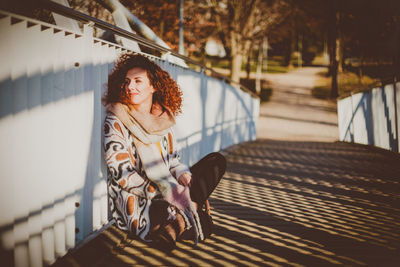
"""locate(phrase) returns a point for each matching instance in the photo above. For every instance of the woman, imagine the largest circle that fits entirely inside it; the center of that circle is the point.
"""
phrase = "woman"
(151, 193)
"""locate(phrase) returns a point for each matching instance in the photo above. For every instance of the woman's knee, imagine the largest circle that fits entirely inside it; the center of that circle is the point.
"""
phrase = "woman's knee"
(219, 160)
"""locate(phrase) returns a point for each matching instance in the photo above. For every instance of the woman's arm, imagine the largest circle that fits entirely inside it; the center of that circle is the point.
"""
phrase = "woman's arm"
(120, 157)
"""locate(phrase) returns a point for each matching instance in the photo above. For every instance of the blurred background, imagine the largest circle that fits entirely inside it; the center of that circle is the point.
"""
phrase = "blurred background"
(357, 40)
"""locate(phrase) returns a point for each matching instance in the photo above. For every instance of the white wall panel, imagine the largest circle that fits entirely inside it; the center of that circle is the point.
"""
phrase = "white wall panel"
(7, 218)
(380, 125)
(190, 119)
(345, 120)
(390, 116)
(398, 114)
(361, 118)
(213, 98)
(17, 144)
(371, 116)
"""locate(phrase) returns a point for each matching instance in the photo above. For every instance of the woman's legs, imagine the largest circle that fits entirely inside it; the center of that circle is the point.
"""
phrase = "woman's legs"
(206, 174)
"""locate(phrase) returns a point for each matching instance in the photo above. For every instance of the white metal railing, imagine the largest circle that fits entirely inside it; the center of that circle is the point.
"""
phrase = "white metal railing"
(371, 117)
(53, 189)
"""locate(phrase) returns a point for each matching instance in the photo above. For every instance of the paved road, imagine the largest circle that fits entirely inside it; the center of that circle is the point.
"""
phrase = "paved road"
(294, 197)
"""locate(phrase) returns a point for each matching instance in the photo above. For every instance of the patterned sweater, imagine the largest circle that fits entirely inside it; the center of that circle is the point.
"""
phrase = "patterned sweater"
(130, 191)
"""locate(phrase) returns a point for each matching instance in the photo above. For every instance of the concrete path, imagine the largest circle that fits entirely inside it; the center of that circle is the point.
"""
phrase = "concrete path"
(292, 198)
(292, 113)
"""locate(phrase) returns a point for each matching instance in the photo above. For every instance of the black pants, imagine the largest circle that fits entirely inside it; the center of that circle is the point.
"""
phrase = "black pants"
(206, 174)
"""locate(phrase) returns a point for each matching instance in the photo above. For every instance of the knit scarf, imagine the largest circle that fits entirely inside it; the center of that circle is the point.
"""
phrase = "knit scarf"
(147, 130)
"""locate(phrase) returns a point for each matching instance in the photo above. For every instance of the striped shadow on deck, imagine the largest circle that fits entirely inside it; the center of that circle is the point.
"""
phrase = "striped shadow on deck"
(284, 204)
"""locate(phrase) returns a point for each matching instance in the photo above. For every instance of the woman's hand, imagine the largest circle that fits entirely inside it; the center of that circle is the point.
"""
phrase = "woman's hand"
(185, 179)
(179, 196)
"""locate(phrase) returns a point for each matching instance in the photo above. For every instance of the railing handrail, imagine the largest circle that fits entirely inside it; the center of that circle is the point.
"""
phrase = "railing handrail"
(389, 79)
(74, 14)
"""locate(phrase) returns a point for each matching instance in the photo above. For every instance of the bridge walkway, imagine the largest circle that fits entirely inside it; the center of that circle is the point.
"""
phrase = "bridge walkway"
(284, 203)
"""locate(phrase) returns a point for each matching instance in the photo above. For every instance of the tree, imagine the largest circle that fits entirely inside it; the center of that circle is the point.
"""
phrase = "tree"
(333, 20)
(247, 22)
(364, 31)
(163, 18)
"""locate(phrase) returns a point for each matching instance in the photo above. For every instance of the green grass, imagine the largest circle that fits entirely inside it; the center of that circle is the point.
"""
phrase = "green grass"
(222, 64)
(273, 65)
(277, 68)
(347, 82)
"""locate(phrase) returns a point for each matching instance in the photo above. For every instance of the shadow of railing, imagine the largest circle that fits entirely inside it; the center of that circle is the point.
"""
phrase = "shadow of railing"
(351, 203)
(288, 203)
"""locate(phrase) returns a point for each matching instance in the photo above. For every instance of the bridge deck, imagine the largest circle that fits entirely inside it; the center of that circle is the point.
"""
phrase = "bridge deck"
(284, 203)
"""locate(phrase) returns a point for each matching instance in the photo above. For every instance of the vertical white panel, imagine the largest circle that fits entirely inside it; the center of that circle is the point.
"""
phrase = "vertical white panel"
(379, 120)
(214, 102)
(110, 55)
(70, 48)
(58, 139)
(390, 114)
(190, 120)
(17, 149)
(383, 116)
(231, 111)
(85, 209)
(256, 112)
(95, 170)
(64, 143)
(390, 111)
(254, 107)
(345, 119)
(33, 163)
(47, 158)
(5, 70)
(6, 133)
(361, 118)
(398, 113)
(101, 60)
(82, 131)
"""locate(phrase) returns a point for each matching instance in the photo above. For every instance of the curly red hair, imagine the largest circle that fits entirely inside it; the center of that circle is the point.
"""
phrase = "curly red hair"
(167, 93)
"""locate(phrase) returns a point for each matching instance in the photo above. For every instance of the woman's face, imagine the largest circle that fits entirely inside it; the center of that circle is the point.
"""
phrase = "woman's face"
(138, 86)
